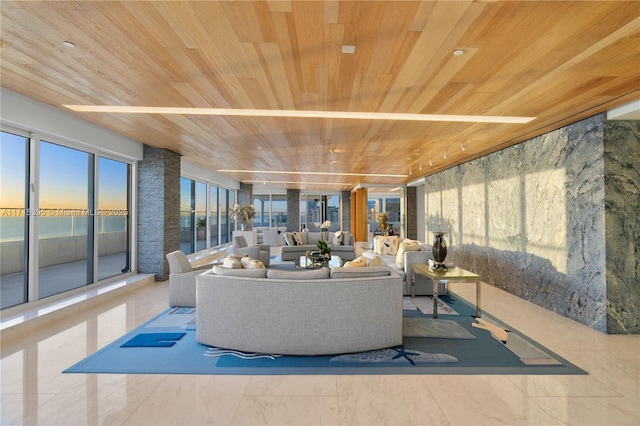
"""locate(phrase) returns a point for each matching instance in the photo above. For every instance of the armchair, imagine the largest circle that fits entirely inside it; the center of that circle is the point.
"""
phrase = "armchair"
(260, 252)
(182, 279)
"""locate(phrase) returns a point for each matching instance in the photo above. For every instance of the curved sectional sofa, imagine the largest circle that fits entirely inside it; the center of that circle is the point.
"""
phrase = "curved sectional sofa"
(320, 312)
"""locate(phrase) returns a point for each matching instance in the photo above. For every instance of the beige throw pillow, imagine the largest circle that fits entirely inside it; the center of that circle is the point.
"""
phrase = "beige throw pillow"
(288, 239)
(358, 262)
(405, 246)
(249, 263)
(232, 262)
(376, 261)
(337, 239)
(297, 237)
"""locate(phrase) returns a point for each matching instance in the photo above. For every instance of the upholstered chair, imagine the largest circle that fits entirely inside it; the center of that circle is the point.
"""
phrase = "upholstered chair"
(182, 279)
(261, 252)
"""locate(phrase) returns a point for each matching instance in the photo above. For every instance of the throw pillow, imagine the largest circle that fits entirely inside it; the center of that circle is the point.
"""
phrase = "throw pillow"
(311, 274)
(406, 245)
(367, 272)
(337, 238)
(288, 239)
(358, 262)
(232, 262)
(250, 273)
(297, 237)
(376, 261)
(388, 245)
(249, 263)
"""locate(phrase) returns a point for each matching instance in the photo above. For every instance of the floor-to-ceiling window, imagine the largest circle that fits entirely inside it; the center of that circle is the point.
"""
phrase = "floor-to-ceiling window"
(204, 206)
(65, 217)
(278, 210)
(65, 233)
(201, 215)
(187, 210)
(214, 239)
(113, 217)
(14, 195)
(320, 208)
(223, 209)
(262, 204)
(384, 203)
(271, 210)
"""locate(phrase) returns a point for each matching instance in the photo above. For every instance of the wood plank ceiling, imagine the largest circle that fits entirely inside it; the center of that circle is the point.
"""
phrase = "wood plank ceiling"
(556, 61)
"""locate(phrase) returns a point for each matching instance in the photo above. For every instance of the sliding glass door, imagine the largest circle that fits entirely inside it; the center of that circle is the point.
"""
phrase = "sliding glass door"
(14, 197)
(65, 233)
(65, 217)
(113, 217)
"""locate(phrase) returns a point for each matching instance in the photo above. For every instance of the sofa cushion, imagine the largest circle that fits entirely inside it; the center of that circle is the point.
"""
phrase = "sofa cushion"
(311, 274)
(358, 262)
(405, 246)
(232, 262)
(364, 272)
(250, 273)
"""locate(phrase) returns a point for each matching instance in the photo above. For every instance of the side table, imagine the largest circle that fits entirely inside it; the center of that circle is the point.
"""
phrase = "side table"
(444, 275)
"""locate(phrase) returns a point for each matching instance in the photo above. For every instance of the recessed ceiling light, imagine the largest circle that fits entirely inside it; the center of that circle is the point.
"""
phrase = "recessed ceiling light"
(69, 44)
(348, 49)
(458, 52)
(120, 109)
(258, 148)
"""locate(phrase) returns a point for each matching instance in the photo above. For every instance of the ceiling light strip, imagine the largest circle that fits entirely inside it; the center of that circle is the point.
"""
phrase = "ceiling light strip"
(300, 114)
(271, 182)
(310, 173)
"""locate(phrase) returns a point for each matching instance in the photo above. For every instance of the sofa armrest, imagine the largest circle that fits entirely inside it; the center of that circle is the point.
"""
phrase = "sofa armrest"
(413, 257)
(253, 252)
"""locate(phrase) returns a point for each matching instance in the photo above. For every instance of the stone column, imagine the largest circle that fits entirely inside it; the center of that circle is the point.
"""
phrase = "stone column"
(293, 210)
(411, 212)
(345, 208)
(158, 206)
(245, 193)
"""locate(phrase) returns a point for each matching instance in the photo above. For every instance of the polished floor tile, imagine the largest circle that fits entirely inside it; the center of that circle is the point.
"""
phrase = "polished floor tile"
(35, 392)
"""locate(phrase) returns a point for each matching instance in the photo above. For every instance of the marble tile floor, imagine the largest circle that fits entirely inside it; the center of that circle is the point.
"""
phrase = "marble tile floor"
(34, 392)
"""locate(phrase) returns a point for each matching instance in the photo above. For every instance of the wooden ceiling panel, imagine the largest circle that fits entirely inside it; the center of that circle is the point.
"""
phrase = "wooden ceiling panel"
(556, 61)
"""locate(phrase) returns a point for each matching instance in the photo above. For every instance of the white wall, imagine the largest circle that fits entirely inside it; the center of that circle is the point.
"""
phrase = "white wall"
(33, 116)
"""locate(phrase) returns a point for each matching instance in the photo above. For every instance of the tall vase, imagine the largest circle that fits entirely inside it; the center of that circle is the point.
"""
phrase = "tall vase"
(439, 248)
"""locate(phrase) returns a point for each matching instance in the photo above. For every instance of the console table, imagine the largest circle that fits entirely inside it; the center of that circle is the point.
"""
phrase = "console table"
(442, 274)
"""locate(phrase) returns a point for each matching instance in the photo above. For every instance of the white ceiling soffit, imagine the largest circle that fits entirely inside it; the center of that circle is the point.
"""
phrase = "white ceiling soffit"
(630, 111)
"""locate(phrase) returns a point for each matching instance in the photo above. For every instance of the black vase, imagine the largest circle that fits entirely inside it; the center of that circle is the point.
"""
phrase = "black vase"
(439, 248)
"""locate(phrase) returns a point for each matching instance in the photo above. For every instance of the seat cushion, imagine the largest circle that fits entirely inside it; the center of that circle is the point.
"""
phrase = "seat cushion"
(364, 272)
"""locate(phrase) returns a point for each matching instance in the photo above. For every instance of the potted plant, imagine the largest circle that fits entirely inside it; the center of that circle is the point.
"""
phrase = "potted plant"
(324, 248)
(245, 214)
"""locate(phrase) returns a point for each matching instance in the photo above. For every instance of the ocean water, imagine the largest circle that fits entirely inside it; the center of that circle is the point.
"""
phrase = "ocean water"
(12, 228)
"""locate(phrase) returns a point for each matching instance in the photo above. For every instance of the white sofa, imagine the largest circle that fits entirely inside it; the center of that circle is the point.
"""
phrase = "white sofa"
(346, 250)
(288, 312)
(424, 286)
(182, 279)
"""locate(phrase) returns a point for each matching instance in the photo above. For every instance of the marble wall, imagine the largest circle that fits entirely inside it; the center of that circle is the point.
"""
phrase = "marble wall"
(530, 219)
(622, 224)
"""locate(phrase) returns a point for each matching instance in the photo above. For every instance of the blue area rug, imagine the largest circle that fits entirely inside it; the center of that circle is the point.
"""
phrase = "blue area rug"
(451, 344)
